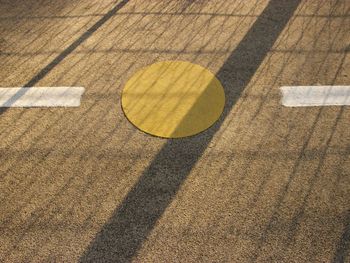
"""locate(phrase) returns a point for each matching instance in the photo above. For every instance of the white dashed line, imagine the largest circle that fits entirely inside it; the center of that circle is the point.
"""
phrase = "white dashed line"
(41, 97)
(307, 96)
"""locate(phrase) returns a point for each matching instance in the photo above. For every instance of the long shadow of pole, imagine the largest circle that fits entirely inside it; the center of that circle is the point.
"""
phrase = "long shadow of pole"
(121, 238)
(57, 60)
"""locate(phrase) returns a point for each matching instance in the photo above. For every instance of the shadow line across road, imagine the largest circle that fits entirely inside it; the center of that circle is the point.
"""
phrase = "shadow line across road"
(59, 58)
(132, 222)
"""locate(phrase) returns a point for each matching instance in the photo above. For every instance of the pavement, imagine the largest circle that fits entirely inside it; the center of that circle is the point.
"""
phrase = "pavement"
(266, 183)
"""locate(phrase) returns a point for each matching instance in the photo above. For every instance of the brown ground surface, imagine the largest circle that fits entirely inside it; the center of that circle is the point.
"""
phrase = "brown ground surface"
(265, 184)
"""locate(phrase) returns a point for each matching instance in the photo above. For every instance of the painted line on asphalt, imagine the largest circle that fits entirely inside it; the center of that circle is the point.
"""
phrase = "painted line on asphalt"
(308, 96)
(41, 96)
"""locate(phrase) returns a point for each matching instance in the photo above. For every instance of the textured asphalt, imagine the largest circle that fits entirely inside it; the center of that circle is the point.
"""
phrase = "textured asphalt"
(266, 183)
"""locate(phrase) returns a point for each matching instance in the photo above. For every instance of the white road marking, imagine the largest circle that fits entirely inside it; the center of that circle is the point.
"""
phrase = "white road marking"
(41, 96)
(307, 96)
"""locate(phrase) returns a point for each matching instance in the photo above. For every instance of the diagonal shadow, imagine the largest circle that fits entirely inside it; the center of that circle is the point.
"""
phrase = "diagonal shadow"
(343, 247)
(58, 59)
(121, 237)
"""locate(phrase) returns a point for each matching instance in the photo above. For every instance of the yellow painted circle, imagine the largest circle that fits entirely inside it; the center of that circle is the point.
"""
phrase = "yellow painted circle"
(173, 99)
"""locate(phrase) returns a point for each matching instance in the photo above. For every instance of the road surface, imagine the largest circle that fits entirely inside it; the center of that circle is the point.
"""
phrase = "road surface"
(266, 183)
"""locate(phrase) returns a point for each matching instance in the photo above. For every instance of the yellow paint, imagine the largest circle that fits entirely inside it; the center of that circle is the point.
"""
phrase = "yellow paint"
(173, 99)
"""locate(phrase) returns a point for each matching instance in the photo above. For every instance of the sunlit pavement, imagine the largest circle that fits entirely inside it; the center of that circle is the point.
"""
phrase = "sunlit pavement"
(265, 183)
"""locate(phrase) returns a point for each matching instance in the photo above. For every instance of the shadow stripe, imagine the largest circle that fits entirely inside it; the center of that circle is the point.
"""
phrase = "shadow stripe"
(69, 49)
(343, 247)
(132, 222)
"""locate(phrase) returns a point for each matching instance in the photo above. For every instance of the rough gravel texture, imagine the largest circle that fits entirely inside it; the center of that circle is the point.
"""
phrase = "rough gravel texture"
(265, 184)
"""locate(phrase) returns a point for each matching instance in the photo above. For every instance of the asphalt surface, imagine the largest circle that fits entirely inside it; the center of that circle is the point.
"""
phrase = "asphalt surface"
(266, 183)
